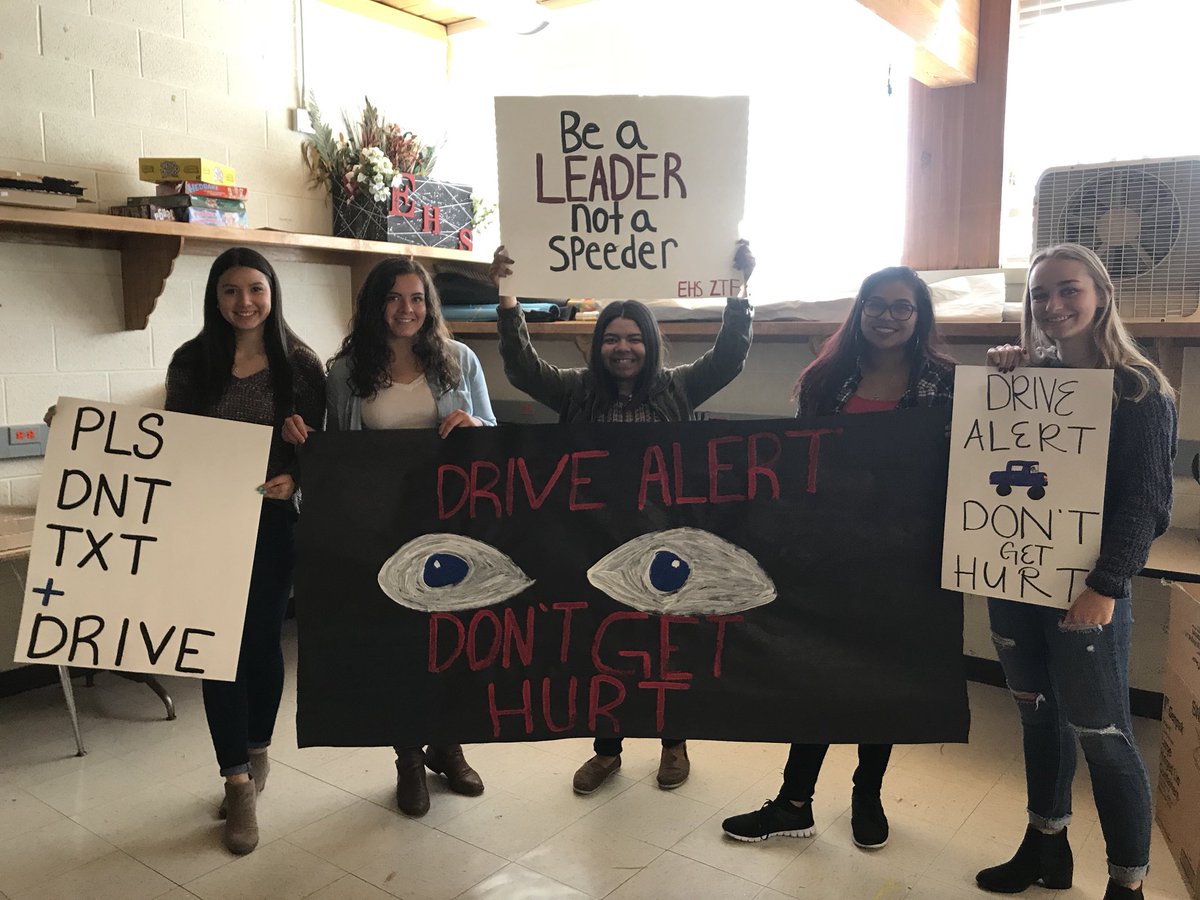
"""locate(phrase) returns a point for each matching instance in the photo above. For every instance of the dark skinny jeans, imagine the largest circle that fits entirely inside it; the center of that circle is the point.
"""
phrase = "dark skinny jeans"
(804, 765)
(241, 713)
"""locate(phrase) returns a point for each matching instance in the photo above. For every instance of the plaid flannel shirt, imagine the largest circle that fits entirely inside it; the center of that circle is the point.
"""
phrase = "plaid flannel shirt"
(933, 386)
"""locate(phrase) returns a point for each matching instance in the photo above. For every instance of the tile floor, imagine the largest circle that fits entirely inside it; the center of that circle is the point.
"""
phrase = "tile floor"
(136, 817)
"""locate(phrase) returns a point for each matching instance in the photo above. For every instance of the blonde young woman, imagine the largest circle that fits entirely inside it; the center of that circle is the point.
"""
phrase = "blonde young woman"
(1069, 673)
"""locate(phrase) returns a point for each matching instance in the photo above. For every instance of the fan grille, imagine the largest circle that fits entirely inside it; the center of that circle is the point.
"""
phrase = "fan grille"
(1130, 218)
(1142, 218)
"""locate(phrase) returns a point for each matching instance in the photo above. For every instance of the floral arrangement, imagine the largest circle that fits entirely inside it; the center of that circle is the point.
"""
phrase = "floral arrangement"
(366, 160)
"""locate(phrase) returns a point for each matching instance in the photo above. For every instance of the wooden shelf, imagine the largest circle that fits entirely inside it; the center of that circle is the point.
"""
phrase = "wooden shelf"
(149, 249)
(1164, 341)
(780, 330)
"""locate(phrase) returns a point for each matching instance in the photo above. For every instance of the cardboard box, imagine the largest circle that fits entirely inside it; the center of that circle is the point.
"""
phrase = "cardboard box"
(169, 168)
(182, 201)
(1177, 801)
(202, 189)
(221, 217)
(1183, 638)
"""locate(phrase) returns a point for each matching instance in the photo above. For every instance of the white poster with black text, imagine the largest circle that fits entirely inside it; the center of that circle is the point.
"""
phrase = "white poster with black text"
(143, 541)
(1025, 499)
(621, 196)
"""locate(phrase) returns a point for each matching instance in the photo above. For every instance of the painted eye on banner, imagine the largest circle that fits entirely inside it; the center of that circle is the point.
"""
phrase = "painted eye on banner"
(683, 571)
(450, 573)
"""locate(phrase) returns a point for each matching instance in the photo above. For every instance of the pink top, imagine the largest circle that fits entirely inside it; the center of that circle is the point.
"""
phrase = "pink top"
(857, 404)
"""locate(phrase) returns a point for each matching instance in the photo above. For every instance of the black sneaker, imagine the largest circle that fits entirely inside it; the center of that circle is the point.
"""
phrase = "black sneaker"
(775, 817)
(867, 822)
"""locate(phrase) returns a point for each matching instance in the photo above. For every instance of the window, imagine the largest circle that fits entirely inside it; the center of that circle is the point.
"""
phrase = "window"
(827, 141)
(1093, 81)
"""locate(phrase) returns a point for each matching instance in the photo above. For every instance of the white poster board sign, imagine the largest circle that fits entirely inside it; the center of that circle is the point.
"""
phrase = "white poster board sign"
(143, 541)
(621, 197)
(1025, 498)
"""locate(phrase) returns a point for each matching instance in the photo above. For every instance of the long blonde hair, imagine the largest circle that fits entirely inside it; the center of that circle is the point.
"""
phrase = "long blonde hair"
(1116, 346)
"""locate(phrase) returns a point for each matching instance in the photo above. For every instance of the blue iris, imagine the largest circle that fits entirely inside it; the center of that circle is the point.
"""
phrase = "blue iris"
(668, 573)
(444, 569)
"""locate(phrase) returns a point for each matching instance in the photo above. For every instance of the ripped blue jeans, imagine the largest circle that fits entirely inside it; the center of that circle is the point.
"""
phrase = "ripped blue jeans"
(1074, 684)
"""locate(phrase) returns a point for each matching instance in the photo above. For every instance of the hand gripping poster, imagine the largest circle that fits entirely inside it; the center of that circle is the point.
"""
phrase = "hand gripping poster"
(143, 541)
(621, 196)
(1025, 500)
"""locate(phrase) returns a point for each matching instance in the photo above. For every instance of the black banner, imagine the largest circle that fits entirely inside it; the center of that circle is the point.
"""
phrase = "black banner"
(769, 580)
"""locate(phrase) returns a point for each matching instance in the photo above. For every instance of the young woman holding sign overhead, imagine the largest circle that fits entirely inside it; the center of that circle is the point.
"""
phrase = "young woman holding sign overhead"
(1069, 672)
(399, 368)
(248, 366)
(626, 380)
(885, 356)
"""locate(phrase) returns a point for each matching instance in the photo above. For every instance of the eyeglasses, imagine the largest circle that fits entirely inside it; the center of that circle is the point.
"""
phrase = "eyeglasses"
(900, 311)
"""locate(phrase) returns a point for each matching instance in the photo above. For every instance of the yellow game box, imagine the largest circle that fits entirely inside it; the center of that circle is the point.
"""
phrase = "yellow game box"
(162, 168)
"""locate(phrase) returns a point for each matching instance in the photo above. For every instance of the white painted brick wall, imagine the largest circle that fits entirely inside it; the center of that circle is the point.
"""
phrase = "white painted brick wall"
(178, 143)
(163, 16)
(210, 114)
(180, 62)
(87, 141)
(19, 26)
(138, 101)
(21, 134)
(88, 41)
(55, 84)
(76, 6)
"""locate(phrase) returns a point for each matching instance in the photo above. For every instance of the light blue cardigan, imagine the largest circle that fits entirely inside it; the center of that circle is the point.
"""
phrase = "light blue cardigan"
(343, 410)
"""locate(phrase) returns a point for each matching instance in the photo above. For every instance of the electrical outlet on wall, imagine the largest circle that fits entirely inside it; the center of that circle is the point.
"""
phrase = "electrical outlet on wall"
(23, 440)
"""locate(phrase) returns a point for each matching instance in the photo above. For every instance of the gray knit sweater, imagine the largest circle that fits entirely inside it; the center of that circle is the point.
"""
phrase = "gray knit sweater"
(1137, 493)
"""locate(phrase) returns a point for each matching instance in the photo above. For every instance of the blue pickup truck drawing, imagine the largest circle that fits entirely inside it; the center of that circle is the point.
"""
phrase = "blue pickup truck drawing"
(1020, 473)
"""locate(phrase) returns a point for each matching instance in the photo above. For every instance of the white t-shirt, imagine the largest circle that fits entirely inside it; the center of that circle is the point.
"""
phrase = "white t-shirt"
(401, 406)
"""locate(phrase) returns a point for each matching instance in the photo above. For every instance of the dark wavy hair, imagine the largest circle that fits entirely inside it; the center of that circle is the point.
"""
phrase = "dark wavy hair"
(209, 354)
(652, 341)
(839, 357)
(366, 346)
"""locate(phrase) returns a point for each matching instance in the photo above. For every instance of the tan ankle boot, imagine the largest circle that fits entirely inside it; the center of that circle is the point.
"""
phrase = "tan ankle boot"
(241, 824)
(449, 761)
(260, 768)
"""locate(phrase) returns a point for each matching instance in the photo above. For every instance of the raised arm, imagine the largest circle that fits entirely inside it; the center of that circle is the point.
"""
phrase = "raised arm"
(525, 370)
(725, 360)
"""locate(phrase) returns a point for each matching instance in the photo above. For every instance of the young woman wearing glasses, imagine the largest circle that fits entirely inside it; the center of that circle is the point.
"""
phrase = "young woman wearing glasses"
(885, 356)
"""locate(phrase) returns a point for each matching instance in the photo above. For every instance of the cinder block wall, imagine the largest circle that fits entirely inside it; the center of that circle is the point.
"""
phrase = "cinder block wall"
(87, 86)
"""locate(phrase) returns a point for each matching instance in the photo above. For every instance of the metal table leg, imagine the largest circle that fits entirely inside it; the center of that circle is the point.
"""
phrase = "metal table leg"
(64, 676)
(155, 685)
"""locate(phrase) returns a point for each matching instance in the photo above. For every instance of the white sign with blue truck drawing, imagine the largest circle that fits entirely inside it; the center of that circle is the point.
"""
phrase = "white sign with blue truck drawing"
(1025, 497)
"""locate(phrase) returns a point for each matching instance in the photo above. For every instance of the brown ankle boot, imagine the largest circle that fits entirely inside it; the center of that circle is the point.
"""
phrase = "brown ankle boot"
(412, 793)
(594, 773)
(673, 766)
(449, 761)
(241, 823)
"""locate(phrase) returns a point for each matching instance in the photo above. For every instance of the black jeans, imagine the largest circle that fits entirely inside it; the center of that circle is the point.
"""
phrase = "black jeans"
(241, 713)
(612, 746)
(804, 765)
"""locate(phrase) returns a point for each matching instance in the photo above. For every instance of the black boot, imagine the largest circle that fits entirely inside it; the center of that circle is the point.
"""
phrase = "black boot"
(1044, 858)
(1120, 892)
